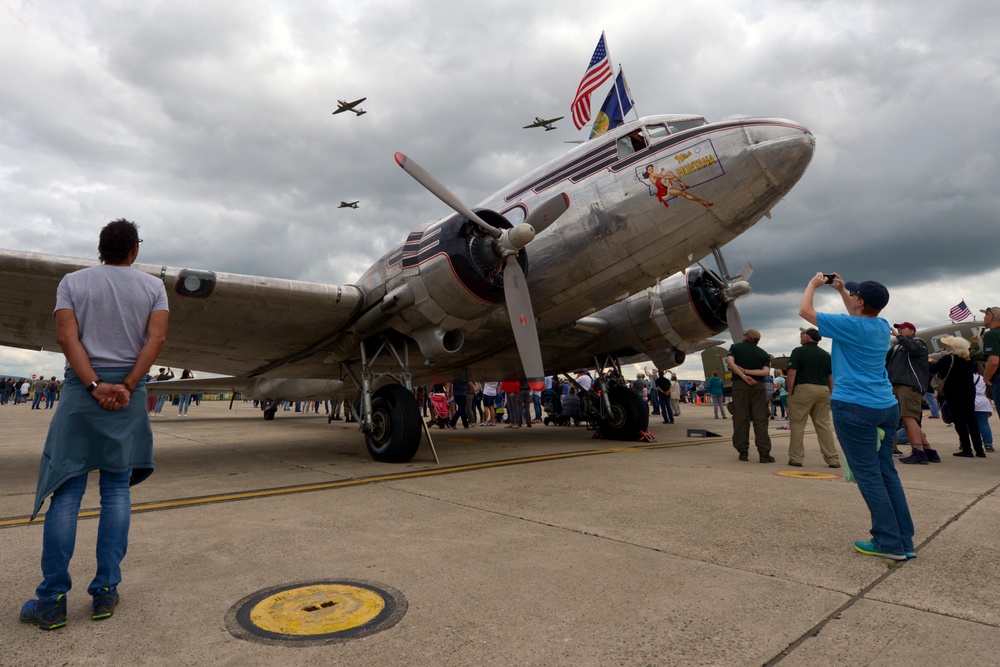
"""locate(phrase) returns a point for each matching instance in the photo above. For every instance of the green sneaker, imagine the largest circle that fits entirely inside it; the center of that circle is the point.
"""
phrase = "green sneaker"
(105, 601)
(870, 549)
(46, 615)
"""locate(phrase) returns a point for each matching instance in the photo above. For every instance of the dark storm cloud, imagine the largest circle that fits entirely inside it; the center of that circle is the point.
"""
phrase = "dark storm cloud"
(211, 126)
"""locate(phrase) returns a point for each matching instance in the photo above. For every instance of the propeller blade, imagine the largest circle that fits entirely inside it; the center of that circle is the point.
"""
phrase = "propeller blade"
(744, 273)
(735, 322)
(546, 214)
(522, 322)
(437, 188)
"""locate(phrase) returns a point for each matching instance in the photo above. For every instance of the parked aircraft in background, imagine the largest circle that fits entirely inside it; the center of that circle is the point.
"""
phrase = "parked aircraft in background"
(542, 122)
(343, 106)
(970, 331)
(348, 204)
(562, 269)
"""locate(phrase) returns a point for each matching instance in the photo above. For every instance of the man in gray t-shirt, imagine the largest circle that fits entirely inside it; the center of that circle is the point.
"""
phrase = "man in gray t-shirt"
(111, 312)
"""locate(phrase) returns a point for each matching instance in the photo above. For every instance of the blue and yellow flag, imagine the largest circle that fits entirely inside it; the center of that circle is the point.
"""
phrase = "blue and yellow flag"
(616, 106)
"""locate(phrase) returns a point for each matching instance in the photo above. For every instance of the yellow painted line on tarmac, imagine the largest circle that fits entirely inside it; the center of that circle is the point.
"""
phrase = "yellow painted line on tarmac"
(360, 481)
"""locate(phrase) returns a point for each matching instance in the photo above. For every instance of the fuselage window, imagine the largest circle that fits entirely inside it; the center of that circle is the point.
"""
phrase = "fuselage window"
(630, 143)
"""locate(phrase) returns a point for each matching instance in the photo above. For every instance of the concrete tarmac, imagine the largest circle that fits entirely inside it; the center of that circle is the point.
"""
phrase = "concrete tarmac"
(523, 547)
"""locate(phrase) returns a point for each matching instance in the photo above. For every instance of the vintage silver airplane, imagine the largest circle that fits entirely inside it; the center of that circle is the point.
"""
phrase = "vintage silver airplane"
(560, 270)
(542, 122)
(343, 106)
(349, 204)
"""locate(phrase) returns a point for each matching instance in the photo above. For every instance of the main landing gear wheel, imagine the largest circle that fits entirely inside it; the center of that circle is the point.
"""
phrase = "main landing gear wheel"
(270, 410)
(629, 416)
(396, 428)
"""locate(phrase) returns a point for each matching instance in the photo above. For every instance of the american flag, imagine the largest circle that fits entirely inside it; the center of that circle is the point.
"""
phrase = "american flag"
(597, 73)
(960, 312)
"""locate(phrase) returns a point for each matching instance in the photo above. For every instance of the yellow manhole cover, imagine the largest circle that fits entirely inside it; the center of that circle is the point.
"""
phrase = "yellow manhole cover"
(805, 474)
(316, 612)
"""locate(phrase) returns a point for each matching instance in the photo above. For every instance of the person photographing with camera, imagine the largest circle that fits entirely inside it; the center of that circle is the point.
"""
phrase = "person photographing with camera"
(865, 410)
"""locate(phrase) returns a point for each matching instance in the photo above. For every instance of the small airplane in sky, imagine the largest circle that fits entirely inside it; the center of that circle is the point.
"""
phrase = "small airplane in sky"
(542, 122)
(349, 204)
(343, 106)
(563, 269)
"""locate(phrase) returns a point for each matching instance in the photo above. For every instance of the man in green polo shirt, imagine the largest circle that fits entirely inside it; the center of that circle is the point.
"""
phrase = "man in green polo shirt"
(991, 348)
(750, 365)
(809, 383)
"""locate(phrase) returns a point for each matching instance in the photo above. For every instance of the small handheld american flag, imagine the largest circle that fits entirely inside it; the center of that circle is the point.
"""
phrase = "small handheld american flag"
(960, 312)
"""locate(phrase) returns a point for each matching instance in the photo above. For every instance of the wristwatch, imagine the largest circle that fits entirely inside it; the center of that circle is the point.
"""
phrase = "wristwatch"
(93, 385)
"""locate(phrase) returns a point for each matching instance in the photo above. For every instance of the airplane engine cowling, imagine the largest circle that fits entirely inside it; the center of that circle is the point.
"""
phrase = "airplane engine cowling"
(666, 322)
(454, 273)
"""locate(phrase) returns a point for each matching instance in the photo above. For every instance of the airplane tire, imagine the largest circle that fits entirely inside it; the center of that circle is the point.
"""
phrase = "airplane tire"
(629, 416)
(270, 411)
(396, 429)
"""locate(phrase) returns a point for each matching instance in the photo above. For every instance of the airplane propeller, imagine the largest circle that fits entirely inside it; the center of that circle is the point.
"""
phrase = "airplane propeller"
(730, 289)
(509, 242)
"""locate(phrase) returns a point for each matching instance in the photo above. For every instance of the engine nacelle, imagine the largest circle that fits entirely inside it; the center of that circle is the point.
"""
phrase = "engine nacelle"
(666, 322)
(450, 274)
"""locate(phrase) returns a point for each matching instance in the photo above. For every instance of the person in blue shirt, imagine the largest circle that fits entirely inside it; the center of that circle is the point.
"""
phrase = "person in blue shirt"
(718, 394)
(865, 411)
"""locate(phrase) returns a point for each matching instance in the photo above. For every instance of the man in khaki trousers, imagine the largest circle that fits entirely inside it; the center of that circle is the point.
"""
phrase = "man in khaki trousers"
(809, 383)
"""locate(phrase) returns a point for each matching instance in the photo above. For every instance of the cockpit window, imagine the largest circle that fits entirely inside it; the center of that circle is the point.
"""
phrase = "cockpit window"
(656, 132)
(681, 125)
(630, 143)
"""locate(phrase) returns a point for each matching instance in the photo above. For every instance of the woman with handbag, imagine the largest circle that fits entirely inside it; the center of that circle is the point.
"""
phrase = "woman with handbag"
(956, 369)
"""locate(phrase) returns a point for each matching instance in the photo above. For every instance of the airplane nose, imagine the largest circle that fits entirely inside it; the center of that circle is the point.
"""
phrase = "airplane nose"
(783, 150)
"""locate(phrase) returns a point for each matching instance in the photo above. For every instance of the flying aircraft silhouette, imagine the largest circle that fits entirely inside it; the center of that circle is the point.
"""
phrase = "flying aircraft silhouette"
(542, 122)
(560, 270)
(348, 204)
(343, 106)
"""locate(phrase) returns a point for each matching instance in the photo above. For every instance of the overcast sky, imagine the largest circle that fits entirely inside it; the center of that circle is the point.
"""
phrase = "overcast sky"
(209, 124)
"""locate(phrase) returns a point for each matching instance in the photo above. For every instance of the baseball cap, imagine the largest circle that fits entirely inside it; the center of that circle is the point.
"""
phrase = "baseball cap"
(752, 334)
(812, 332)
(993, 310)
(904, 325)
(872, 293)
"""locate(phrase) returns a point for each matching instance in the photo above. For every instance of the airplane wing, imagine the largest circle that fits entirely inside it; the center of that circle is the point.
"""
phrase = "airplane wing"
(219, 322)
(223, 384)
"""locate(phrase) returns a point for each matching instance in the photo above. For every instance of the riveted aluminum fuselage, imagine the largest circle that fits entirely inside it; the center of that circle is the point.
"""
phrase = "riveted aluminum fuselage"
(635, 217)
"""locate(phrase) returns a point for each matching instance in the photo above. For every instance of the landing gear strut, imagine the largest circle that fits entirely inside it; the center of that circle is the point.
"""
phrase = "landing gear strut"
(612, 408)
(388, 416)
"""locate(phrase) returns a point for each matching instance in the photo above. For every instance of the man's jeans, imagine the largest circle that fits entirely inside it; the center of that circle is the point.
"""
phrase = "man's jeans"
(665, 408)
(873, 468)
(932, 404)
(59, 534)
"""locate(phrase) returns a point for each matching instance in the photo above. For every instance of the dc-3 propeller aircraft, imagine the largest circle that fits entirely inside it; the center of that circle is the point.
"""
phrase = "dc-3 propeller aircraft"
(586, 262)
(349, 204)
(343, 106)
(542, 122)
